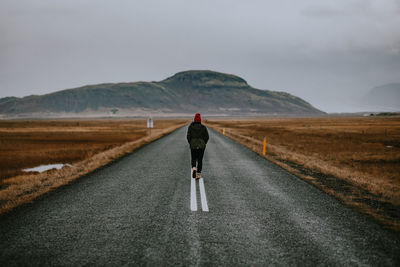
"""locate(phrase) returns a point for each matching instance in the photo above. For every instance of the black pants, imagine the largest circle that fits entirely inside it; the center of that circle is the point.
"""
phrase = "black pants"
(197, 157)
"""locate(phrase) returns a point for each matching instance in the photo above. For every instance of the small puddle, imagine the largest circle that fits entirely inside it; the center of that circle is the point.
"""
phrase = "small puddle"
(43, 168)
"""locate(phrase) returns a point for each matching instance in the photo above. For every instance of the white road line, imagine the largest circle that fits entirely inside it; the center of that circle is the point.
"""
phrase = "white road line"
(203, 197)
(193, 198)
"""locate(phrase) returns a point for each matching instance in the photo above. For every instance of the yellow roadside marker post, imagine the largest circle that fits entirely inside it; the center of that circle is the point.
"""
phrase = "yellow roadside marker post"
(265, 146)
(223, 131)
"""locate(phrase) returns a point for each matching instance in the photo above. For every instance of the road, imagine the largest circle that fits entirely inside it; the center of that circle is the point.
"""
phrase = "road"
(139, 211)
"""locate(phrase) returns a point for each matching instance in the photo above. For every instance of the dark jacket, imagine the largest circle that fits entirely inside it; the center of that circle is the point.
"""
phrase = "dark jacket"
(197, 135)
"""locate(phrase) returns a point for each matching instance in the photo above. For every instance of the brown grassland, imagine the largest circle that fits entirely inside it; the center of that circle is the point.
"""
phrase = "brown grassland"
(84, 144)
(356, 159)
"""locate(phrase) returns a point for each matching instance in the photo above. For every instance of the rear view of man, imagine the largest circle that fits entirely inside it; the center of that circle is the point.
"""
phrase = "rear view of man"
(197, 136)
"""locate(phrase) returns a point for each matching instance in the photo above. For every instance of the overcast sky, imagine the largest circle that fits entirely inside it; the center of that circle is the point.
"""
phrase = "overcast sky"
(327, 52)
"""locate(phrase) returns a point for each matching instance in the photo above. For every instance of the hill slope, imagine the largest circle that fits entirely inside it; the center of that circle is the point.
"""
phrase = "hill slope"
(185, 92)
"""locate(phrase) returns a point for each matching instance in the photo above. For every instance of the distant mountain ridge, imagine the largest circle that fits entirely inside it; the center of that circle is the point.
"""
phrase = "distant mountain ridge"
(384, 97)
(185, 92)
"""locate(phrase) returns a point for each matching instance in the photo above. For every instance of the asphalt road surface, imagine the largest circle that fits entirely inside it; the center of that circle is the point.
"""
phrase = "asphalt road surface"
(144, 209)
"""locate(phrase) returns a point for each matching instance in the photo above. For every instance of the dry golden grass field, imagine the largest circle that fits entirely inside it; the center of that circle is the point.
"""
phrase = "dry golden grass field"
(355, 159)
(85, 144)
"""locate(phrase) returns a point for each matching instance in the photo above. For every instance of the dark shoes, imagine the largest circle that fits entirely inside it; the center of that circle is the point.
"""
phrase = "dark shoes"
(194, 172)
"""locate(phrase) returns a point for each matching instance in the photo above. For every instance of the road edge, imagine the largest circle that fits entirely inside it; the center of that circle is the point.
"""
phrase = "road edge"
(17, 192)
(311, 176)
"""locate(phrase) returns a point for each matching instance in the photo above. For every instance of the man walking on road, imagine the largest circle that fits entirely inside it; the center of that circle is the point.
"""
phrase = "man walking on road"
(197, 136)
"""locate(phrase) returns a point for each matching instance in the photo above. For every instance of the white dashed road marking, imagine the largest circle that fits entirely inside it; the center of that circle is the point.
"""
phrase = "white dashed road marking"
(193, 199)
(193, 194)
(203, 197)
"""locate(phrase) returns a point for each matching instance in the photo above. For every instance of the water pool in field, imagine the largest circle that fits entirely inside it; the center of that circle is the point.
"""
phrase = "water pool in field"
(43, 168)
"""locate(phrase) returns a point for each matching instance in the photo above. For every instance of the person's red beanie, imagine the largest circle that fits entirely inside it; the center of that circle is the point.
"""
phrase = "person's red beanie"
(197, 117)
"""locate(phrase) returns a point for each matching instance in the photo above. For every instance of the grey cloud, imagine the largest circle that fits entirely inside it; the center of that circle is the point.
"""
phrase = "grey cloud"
(328, 9)
(323, 51)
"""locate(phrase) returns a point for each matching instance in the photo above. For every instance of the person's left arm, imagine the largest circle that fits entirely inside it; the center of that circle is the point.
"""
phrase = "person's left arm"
(189, 135)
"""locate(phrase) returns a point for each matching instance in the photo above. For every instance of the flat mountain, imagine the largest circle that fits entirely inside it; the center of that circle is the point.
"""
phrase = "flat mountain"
(184, 93)
(384, 97)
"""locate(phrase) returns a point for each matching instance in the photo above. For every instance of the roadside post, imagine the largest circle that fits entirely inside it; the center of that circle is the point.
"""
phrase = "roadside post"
(150, 124)
(264, 146)
(223, 131)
